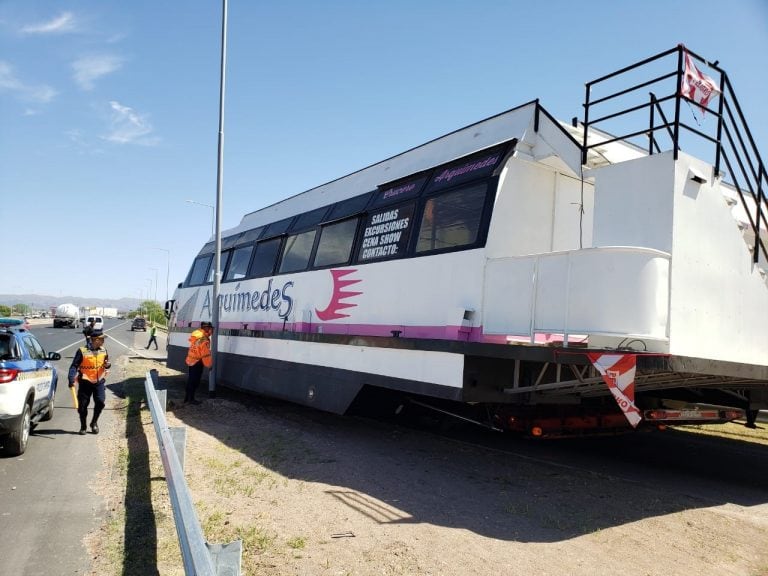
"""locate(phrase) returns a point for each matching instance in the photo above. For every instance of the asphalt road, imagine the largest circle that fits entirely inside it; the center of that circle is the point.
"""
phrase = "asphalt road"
(47, 504)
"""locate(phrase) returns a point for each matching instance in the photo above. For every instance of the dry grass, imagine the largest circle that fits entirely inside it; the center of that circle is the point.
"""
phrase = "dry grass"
(733, 431)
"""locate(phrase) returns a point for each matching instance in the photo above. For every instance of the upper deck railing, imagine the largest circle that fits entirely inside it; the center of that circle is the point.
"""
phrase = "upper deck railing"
(656, 123)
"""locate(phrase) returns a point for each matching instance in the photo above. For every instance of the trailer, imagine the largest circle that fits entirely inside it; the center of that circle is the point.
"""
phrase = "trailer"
(523, 273)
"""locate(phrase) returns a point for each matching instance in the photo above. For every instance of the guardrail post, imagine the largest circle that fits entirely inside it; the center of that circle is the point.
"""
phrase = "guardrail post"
(199, 557)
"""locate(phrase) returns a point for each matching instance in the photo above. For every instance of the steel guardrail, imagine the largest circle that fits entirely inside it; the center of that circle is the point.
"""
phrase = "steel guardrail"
(199, 557)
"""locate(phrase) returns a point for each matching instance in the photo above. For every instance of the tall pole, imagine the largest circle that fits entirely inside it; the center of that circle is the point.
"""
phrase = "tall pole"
(219, 195)
(155, 269)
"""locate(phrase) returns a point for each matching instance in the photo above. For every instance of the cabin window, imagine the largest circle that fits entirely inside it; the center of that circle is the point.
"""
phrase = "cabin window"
(335, 244)
(298, 249)
(264, 260)
(249, 236)
(238, 266)
(309, 219)
(478, 166)
(209, 248)
(349, 207)
(386, 233)
(451, 220)
(212, 270)
(394, 193)
(199, 268)
(229, 241)
(278, 228)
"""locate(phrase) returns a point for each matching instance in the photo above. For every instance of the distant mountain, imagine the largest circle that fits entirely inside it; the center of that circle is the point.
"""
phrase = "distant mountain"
(42, 302)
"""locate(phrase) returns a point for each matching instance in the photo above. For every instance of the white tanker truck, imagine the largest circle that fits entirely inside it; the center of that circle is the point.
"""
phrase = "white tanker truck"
(66, 316)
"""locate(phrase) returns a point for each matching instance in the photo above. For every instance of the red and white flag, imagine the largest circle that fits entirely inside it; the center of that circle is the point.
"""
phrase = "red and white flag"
(618, 372)
(697, 86)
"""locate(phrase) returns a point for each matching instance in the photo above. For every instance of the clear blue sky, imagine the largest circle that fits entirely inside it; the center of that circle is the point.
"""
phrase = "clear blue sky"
(109, 108)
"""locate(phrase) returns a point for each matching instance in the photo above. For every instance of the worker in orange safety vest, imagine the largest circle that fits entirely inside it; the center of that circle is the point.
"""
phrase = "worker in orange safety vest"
(198, 358)
(89, 370)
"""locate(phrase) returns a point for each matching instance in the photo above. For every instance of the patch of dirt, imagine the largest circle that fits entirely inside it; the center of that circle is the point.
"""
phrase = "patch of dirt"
(315, 494)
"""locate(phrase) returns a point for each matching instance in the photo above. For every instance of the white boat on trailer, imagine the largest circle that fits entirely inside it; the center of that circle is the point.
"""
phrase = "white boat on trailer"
(521, 272)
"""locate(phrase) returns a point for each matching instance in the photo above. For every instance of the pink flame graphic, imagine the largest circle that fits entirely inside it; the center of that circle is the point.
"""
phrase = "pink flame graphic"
(332, 311)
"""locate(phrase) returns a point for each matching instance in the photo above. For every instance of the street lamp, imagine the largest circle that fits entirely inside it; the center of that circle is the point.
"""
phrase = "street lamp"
(149, 297)
(155, 269)
(167, 270)
(213, 213)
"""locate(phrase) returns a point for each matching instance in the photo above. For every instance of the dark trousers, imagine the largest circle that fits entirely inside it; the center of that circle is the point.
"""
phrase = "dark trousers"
(85, 390)
(151, 340)
(193, 380)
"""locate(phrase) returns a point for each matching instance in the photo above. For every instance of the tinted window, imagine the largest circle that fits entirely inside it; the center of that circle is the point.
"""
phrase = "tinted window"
(209, 248)
(479, 166)
(386, 233)
(238, 267)
(277, 228)
(199, 268)
(5, 347)
(309, 219)
(297, 251)
(212, 270)
(229, 241)
(249, 236)
(34, 349)
(393, 193)
(452, 219)
(349, 207)
(264, 260)
(335, 243)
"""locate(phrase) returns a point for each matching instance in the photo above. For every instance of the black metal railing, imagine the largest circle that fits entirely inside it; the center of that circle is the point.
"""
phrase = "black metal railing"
(632, 115)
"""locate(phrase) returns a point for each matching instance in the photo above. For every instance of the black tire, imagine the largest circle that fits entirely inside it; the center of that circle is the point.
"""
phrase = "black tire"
(16, 443)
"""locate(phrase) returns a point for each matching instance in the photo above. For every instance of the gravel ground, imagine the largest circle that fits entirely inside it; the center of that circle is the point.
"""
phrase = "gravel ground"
(316, 494)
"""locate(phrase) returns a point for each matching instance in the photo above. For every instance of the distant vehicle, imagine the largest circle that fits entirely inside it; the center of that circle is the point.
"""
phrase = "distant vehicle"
(98, 322)
(139, 324)
(66, 316)
(27, 384)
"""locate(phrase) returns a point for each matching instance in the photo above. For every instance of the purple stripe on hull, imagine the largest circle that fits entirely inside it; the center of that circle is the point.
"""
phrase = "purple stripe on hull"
(459, 333)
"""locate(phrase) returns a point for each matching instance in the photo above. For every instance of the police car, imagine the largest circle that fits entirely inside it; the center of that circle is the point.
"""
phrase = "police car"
(27, 384)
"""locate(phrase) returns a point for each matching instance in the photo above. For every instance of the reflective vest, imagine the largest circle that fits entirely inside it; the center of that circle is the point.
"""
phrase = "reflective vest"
(199, 349)
(92, 367)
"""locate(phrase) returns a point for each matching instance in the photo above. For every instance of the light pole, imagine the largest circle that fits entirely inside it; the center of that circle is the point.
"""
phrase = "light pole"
(155, 269)
(219, 201)
(167, 270)
(213, 213)
(149, 296)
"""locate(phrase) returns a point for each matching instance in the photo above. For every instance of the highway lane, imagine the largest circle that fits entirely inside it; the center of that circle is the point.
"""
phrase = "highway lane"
(47, 503)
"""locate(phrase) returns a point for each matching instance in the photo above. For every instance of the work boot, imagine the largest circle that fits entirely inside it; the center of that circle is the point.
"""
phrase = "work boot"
(82, 426)
(94, 428)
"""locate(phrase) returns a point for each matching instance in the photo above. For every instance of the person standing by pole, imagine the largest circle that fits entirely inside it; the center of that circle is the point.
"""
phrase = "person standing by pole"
(89, 370)
(198, 358)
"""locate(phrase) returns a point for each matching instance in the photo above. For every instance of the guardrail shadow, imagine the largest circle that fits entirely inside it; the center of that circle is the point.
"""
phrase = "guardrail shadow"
(140, 534)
